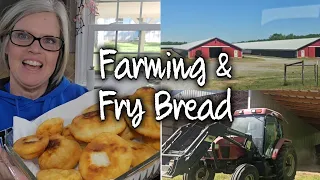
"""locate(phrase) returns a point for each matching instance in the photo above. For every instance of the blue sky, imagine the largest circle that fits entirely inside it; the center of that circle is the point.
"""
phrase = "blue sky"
(234, 20)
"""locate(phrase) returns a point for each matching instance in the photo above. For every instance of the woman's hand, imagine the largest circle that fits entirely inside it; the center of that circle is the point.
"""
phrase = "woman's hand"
(7, 170)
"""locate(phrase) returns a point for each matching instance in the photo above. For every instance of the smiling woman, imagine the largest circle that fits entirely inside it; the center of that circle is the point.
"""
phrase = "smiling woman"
(32, 63)
(34, 47)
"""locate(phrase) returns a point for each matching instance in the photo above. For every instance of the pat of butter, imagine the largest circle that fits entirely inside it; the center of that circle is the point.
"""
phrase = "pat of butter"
(100, 159)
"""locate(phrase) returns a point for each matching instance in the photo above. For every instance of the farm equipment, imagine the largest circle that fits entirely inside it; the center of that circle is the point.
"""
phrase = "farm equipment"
(252, 147)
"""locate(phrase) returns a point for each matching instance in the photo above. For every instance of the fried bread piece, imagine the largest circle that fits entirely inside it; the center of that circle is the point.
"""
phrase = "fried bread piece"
(50, 127)
(149, 126)
(129, 133)
(107, 156)
(31, 147)
(154, 143)
(61, 153)
(86, 127)
(141, 152)
(59, 174)
(67, 133)
(96, 107)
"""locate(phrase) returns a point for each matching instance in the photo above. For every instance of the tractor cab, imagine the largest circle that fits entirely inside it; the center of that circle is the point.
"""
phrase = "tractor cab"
(251, 148)
(264, 125)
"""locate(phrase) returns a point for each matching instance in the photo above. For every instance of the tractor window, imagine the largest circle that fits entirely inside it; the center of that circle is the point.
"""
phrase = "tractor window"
(271, 135)
(252, 125)
(280, 129)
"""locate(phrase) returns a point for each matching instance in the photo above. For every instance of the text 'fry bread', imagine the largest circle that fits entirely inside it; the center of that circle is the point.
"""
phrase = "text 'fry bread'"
(149, 126)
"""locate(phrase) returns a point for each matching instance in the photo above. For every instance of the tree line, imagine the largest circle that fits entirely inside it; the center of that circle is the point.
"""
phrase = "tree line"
(275, 36)
(279, 36)
(172, 43)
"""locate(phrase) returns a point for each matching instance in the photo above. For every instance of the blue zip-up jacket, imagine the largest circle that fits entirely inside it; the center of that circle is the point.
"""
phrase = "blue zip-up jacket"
(11, 105)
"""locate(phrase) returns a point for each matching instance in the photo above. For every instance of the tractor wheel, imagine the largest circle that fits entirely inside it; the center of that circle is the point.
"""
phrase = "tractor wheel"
(286, 163)
(199, 173)
(245, 172)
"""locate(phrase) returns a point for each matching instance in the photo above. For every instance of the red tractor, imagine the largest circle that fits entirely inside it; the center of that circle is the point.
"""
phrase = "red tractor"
(253, 147)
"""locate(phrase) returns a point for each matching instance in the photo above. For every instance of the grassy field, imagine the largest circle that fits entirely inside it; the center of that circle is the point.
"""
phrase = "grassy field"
(300, 176)
(266, 73)
(258, 73)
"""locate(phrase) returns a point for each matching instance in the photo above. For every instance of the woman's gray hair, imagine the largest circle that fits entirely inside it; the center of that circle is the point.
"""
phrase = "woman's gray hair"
(27, 7)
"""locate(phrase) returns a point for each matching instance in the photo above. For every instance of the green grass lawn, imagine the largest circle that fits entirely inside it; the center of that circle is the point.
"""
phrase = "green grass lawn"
(300, 176)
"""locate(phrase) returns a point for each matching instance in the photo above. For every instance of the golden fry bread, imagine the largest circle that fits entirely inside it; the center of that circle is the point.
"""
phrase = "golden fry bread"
(59, 174)
(154, 143)
(92, 108)
(141, 152)
(144, 93)
(86, 127)
(110, 107)
(96, 107)
(129, 134)
(67, 133)
(149, 126)
(31, 147)
(61, 153)
(107, 156)
(50, 127)
(82, 144)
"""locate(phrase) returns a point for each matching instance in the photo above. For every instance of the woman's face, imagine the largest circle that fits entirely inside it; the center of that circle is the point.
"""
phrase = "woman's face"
(32, 66)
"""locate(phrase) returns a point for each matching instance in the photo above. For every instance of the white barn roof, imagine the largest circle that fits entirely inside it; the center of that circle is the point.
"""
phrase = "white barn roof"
(191, 45)
(290, 44)
(195, 93)
(186, 46)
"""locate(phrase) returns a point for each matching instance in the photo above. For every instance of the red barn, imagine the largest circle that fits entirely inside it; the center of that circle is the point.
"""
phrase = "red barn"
(311, 50)
(291, 48)
(209, 48)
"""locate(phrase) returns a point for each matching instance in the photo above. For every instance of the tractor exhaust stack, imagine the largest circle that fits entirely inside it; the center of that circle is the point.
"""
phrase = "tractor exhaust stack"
(249, 99)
